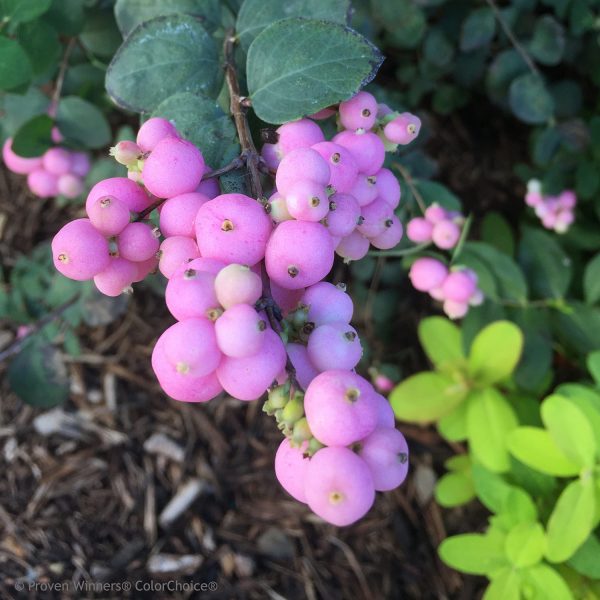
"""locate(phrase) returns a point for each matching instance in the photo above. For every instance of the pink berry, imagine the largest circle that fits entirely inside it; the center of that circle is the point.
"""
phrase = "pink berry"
(178, 214)
(360, 112)
(427, 274)
(340, 407)
(42, 183)
(353, 247)
(564, 219)
(126, 153)
(327, 303)
(272, 155)
(206, 265)
(153, 131)
(138, 242)
(79, 251)
(145, 268)
(455, 310)
(278, 208)
(307, 200)
(342, 166)
(117, 277)
(385, 414)
(436, 213)
(70, 186)
(419, 230)
(305, 370)
(368, 150)
(175, 251)
(174, 167)
(391, 235)
(567, 199)
(298, 134)
(240, 331)
(57, 161)
(446, 234)
(56, 136)
(533, 198)
(108, 215)
(386, 453)
(459, 286)
(290, 469)
(80, 164)
(364, 189)
(209, 187)
(299, 253)
(285, 298)
(190, 293)
(388, 187)
(338, 486)
(233, 228)
(375, 217)
(128, 192)
(237, 284)
(324, 113)
(303, 163)
(334, 346)
(248, 378)
(19, 164)
(403, 129)
(343, 215)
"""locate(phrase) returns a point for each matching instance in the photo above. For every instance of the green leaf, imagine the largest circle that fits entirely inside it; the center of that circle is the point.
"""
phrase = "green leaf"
(297, 67)
(100, 34)
(34, 137)
(163, 57)
(591, 280)
(15, 67)
(495, 352)
(200, 120)
(530, 100)
(585, 560)
(588, 401)
(472, 553)
(18, 109)
(433, 192)
(453, 426)
(441, 341)
(478, 29)
(454, 489)
(570, 429)
(496, 231)
(38, 375)
(425, 397)
(571, 521)
(130, 13)
(256, 15)
(82, 123)
(404, 21)
(40, 41)
(506, 66)
(525, 544)
(593, 365)
(535, 366)
(534, 447)
(504, 586)
(66, 16)
(547, 583)
(548, 268)
(548, 42)
(587, 179)
(491, 489)
(21, 11)
(579, 328)
(490, 418)
(518, 507)
(437, 48)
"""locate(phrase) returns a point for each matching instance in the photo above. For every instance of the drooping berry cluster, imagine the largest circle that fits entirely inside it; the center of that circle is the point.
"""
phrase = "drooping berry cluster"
(456, 288)
(438, 226)
(555, 212)
(59, 171)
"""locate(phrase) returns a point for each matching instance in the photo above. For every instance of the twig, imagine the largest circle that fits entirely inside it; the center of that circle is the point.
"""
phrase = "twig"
(60, 79)
(511, 36)
(16, 346)
(410, 182)
(399, 253)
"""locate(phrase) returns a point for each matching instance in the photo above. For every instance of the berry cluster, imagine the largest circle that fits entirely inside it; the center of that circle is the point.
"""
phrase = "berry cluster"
(58, 171)
(456, 288)
(555, 212)
(438, 226)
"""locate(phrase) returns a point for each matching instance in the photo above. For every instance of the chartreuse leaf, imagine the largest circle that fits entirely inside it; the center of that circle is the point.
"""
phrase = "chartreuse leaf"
(473, 553)
(546, 583)
(570, 429)
(536, 448)
(490, 487)
(456, 487)
(495, 352)
(162, 57)
(298, 66)
(571, 521)
(588, 401)
(517, 507)
(489, 420)
(525, 544)
(425, 397)
(442, 341)
(504, 586)
(453, 426)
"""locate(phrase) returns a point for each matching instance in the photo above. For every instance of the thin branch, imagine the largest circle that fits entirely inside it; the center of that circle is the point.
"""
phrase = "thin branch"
(60, 79)
(511, 36)
(410, 182)
(399, 253)
(53, 315)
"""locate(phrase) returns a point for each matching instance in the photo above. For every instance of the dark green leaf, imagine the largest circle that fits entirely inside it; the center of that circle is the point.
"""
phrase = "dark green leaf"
(82, 123)
(579, 328)
(163, 57)
(299, 66)
(100, 34)
(529, 99)
(548, 42)
(66, 16)
(34, 137)
(496, 231)
(40, 41)
(437, 48)
(15, 67)
(546, 144)
(432, 191)
(507, 65)
(21, 11)
(585, 560)
(478, 29)
(568, 98)
(591, 280)
(404, 21)
(18, 109)
(587, 179)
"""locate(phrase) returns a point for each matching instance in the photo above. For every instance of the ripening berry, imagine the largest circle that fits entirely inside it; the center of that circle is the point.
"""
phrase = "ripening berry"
(240, 331)
(56, 136)
(564, 219)
(79, 250)
(305, 370)
(237, 284)
(19, 164)
(386, 453)
(190, 293)
(278, 209)
(385, 414)
(353, 247)
(175, 251)
(42, 183)
(368, 150)
(108, 215)
(388, 187)
(455, 310)
(342, 166)
(80, 164)
(307, 200)
(178, 214)
(233, 228)
(390, 237)
(436, 213)
(533, 198)
(445, 234)
(364, 189)
(207, 265)
(70, 186)
(271, 155)
(338, 486)
(182, 386)
(360, 112)
(334, 346)
(145, 268)
(126, 153)
(340, 407)
(419, 230)
(191, 347)
(299, 253)
(459, 286)
(117, 277)
(374, 218)
(567, 199)
(153, 131)
(248, 378)
(403, 129)
(138, 242)
(128, 192)
(209, 187)
(427, 273)
(327, 303)
(174, 167)
(57, 161)
(298, 134)
(290, 469)
(344, 213)
(301, 164)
